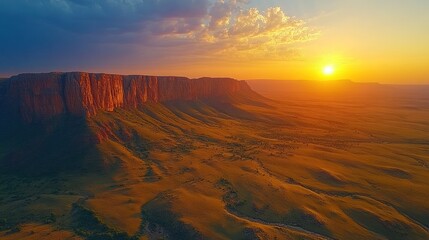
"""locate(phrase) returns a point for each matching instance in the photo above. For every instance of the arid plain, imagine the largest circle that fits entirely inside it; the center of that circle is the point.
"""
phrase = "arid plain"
(334, 160)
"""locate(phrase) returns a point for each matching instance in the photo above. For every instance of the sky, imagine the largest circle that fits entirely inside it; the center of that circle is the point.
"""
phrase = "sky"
(363, 40)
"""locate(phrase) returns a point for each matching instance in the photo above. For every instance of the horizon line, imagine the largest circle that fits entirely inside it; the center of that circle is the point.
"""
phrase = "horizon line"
(6, 76)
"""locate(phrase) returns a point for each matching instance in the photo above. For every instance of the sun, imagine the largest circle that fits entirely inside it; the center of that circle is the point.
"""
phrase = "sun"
(328, 70)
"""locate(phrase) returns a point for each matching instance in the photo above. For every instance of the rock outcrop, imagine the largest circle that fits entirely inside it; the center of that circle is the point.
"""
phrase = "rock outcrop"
(38, 97)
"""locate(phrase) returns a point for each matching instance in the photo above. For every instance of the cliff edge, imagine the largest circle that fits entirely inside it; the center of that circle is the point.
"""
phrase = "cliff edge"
(38, 97)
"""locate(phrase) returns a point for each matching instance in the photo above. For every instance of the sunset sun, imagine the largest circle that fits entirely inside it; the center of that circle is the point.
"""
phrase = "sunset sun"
(328, 70)
(214, 119)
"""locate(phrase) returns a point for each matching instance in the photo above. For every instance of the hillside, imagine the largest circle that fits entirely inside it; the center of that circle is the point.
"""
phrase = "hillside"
(234, 166)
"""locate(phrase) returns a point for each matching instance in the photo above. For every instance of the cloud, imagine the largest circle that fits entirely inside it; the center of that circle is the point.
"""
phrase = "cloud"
(105, 16)
(255, 32)
(78, 33)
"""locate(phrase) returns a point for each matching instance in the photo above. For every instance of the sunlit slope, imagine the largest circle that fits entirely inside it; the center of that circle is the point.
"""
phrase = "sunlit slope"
(244, 167)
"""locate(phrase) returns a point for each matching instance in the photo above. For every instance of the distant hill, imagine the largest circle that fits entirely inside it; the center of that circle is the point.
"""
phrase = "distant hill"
(341, 90)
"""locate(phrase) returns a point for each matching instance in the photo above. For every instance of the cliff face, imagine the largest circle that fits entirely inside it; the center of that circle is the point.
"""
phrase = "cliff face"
(37, 97)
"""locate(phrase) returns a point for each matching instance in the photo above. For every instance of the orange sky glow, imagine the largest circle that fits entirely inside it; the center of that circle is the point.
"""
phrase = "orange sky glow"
(382, 41)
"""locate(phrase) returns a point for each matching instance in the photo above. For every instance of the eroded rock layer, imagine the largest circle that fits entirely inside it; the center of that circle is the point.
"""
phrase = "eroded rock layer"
(38, 97)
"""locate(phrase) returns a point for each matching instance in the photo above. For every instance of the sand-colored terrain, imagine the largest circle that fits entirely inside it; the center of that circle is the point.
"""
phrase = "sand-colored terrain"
(245, 168)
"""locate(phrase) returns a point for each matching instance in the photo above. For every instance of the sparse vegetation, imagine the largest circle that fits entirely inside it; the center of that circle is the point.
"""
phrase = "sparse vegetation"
(4, 224)
(163, 172)
(51, 219)
(159, 220)
(87, 224)
(297, 217)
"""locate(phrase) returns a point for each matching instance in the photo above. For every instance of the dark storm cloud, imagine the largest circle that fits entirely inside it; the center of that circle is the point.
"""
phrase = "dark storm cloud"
(80, 34)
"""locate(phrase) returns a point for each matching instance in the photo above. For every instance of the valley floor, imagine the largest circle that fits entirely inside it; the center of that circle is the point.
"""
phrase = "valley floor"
(246, 168)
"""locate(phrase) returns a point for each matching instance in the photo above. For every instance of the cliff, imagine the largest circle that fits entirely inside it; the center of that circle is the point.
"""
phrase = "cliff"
(38, 97)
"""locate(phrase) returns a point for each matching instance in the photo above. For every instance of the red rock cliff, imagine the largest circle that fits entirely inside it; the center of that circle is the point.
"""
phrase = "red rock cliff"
(37, 97)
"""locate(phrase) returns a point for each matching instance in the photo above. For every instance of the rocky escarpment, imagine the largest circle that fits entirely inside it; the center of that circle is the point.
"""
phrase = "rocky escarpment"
(38, 97)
